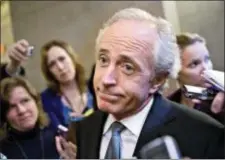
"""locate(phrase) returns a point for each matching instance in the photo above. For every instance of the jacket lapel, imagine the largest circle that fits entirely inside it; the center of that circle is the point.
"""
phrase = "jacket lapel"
(159, 115)
(95, 131)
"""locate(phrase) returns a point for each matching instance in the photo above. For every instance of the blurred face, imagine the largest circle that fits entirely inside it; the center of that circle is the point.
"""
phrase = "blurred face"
(23, 112)
(60, 65)
(124, 66)
(195, 59)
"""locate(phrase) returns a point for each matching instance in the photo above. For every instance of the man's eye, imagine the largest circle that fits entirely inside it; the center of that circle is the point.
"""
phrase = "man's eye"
(128, 68)
(103, 61)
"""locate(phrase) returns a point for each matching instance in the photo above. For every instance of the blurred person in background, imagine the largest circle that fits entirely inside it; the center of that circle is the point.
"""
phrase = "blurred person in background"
(27, 133)
(195, 59)
(65, 99)
(17, 54)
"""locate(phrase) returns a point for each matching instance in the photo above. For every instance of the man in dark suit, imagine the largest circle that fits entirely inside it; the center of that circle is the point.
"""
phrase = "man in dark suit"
(135, 54)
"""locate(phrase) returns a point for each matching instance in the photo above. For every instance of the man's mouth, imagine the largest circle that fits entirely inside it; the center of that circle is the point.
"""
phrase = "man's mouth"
(108, 97)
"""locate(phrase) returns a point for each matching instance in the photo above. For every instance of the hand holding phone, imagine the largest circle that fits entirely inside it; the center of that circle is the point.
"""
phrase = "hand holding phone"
(194, 92)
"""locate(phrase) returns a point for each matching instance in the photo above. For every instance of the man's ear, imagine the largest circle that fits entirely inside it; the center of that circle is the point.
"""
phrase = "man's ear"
(157, 82)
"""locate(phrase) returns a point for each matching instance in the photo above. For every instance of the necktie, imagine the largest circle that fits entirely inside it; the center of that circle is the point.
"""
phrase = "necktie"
(114, 147)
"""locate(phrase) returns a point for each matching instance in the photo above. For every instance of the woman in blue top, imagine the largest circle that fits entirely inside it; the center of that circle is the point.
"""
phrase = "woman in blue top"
(65, 98)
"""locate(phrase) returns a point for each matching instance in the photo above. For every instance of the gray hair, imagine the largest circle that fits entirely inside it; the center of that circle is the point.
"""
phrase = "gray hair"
(166, 52)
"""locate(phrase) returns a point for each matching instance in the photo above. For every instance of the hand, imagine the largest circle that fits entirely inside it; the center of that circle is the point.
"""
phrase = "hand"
(66, 150)
(18, 52)
(217, 105)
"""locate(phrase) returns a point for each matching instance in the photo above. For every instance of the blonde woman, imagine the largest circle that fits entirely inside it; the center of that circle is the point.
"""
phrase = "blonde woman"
(195, 58)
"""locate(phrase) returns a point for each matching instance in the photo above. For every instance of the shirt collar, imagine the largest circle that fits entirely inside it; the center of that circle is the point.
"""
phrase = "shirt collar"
(138, 119)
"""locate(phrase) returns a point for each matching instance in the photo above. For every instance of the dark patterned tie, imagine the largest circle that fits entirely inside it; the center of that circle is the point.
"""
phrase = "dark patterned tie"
(114, 147)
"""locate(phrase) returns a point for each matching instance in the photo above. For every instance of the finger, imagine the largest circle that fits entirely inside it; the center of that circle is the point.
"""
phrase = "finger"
(72, 146)
(64, 156)
(58, 145)
(62, 153)
(64, 143)
(207, 85)
(13, 56)
(24, 43)
(68, 151)
(196, 101)
(218, 103)
(21, 49)
(72, 150)
(18, 55)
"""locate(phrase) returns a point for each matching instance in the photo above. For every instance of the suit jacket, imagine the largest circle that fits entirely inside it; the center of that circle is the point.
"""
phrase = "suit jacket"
(197, 134)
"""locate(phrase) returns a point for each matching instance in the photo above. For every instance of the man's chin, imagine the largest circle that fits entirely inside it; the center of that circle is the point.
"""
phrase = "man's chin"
(107, 108)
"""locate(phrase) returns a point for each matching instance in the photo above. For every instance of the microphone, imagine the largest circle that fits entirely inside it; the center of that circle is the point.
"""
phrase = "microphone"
(161, 148)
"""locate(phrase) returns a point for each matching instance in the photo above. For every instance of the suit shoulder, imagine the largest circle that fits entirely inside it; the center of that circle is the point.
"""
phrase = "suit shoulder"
(195, 116)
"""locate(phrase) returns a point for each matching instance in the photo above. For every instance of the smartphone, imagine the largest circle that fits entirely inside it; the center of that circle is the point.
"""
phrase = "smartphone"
(201, 93)
(30, 50)
(161, 148)
(62, 130)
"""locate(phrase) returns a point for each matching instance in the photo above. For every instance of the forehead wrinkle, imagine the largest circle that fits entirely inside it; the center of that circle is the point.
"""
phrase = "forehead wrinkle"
(128, 43)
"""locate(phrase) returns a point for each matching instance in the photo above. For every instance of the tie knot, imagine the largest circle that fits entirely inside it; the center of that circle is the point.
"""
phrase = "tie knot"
(117, 127)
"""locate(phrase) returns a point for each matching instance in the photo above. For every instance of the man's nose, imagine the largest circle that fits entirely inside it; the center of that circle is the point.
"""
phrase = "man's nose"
(109, 77)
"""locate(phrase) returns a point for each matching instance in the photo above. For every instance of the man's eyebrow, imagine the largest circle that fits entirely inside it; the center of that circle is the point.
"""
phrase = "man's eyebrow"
(103, 50)
(126, 58)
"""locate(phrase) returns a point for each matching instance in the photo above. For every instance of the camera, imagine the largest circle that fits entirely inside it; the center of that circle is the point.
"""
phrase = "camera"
(30, 50)
(201, 93)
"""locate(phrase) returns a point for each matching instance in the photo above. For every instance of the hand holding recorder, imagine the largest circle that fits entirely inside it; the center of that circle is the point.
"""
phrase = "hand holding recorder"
(18, 53)
(66, 149)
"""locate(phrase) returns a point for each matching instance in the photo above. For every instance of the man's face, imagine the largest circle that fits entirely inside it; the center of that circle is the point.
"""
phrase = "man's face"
(124, 65)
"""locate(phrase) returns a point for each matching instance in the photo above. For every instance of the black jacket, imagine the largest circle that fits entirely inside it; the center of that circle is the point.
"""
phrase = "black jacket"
(30, 143)
(197, 134)
(4, 74)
